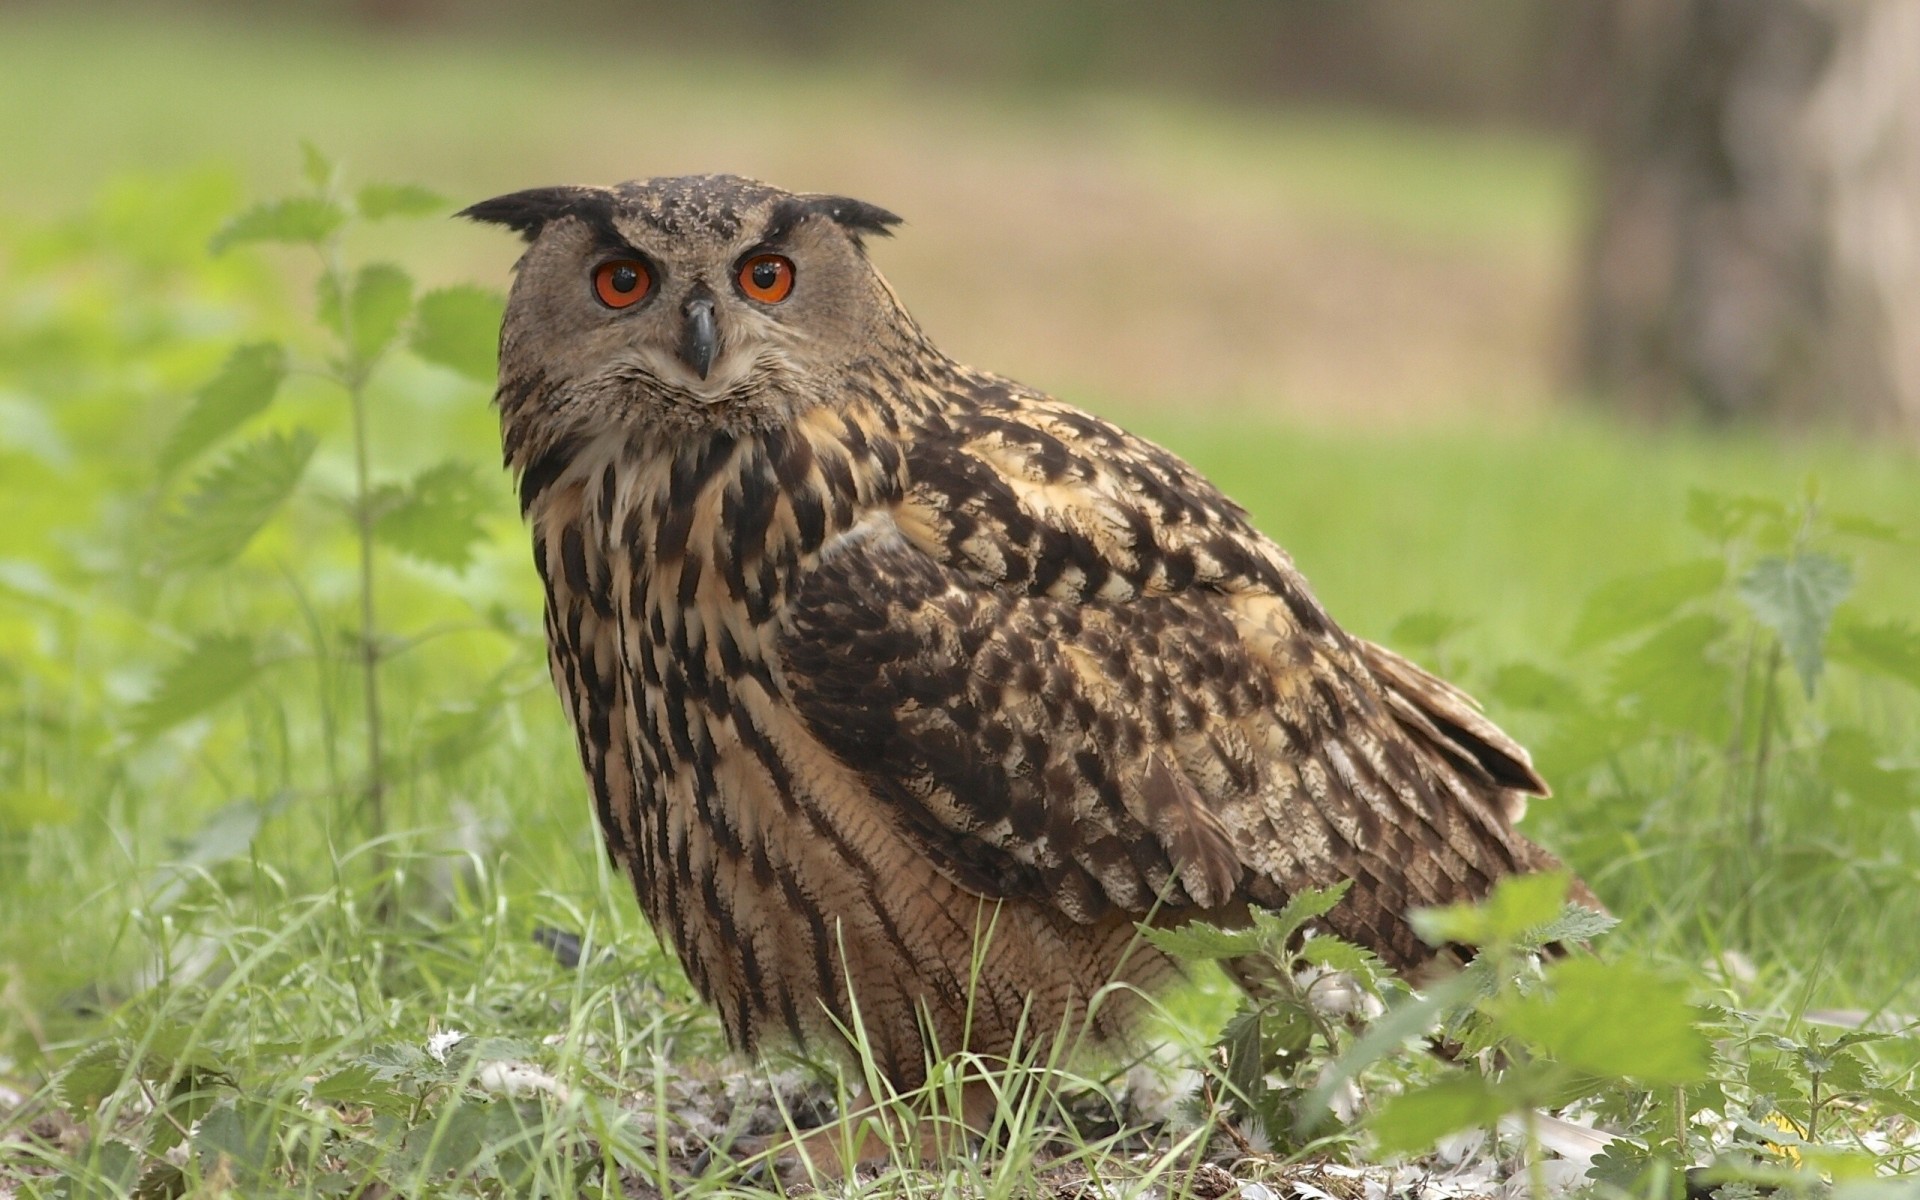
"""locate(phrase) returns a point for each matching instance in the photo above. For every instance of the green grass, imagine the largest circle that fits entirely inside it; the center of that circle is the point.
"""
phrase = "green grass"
(206, 892)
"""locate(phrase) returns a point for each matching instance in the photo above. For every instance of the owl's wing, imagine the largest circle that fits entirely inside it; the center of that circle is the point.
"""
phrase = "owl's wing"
(583, 654)
(1095, 684)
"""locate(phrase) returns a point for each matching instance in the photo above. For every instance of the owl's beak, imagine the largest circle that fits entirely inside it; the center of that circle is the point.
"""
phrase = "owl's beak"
(697, 336)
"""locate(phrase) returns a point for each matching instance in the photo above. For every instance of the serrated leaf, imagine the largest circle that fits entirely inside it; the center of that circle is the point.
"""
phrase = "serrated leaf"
(1417, 1118)
(299, 220)
(1890, 648)
(93, 1075)
(215, 667)
(1517, 905)
(459, 327)
(1621, 606)
(1615, 1020)
(1576, 923)
(245, 386)
(1907, 1104)
(242, 1133)
(436, 516)
(235, 498)
(1795, 597)
(399, 1062)
(377, 201)
(1854, 763)
(1674, 678)
(317, 167)
(1534, 689)
(1304, 905)
(1244, 1046)
(1195, 941)
(377, 306)
(1337, 954)
(359, 1083)
(1622, 1163)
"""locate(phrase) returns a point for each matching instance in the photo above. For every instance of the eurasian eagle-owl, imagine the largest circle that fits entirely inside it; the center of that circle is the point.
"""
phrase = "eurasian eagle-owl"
(869, 652)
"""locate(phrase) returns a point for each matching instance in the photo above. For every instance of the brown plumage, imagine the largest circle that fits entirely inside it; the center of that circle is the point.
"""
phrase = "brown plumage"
(868, 651)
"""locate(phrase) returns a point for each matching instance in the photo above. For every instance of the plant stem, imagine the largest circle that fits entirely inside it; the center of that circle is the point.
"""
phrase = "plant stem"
(376, 785)
(1756, 812)
(353, 377)
(1536, 1169)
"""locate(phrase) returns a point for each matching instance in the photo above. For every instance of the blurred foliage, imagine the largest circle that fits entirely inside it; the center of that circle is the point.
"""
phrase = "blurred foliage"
(1470, 57)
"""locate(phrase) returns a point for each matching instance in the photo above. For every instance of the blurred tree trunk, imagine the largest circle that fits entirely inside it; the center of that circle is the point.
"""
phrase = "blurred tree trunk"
(1756, 254)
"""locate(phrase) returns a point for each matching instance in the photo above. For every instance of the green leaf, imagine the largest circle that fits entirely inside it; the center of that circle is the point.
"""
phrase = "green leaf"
(1416, 1119)
(459, 327)
(299, 220)
(400, 1062)
(93, 1075)
(1387, 1035)
(1896, 1100)
(1532, 689)
(1337, 954)
(359, 1083)
(245, 386)
(377, 201)
(1675, 681)
(1890, 648)
(1723, 517)
(241, 1132)
(1301, 907)
(1576, 923)
(1853, 762)
(1633, 602)
(380, 298)
(214, 668)
(317, 167)
(1196, 941)
(1244, 1045)
(1615, 1020)
(1870, 528)
(1795, 597)
(227, 834)
(1517, 905)
(436, 516)
(234, 499)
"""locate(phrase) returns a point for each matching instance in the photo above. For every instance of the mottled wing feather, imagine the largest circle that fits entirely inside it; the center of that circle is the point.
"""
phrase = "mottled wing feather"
(1072, 671)
(583, 654)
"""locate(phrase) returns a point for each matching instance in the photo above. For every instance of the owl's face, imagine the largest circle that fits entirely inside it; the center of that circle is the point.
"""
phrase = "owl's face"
(688, 303)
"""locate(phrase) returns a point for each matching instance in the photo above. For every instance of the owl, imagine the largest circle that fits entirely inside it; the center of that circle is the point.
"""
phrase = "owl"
(906, 692)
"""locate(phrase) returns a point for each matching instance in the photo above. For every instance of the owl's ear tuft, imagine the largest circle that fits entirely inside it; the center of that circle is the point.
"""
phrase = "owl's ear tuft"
(528, 212)
(857, 217)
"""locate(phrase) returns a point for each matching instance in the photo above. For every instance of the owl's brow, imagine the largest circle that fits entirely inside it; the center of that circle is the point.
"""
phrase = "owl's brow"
(608, 241)
(780, 222)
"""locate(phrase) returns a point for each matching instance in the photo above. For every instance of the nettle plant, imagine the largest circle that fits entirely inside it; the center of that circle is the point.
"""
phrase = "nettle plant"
(1713, 725)
(221, 479)
(1716, 677)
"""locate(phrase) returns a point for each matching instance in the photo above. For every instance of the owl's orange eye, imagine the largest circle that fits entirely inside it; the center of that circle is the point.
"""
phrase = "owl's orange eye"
(767, 278)
(620, 282)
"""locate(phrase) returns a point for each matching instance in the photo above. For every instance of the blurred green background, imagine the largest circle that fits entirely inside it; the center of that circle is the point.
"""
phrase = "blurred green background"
(1341, 257)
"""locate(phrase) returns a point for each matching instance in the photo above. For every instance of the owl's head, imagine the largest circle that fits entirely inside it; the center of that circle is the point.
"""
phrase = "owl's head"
(686, 303)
